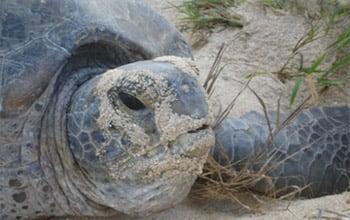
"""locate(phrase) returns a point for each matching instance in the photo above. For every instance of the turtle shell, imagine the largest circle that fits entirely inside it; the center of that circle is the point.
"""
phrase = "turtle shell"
(38, 38)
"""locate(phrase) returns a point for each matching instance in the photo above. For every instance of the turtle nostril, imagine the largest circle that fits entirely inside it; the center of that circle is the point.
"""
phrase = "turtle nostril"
(131, 102)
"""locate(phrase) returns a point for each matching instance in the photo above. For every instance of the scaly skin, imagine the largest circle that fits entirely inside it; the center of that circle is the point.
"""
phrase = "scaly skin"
(317, 142)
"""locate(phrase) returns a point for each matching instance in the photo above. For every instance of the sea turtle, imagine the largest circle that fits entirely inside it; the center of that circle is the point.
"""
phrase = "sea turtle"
(101, 113)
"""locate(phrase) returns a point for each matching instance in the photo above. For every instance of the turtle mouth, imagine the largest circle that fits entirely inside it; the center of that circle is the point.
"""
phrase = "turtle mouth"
(194, 143)
(182, 158)
(203, 127)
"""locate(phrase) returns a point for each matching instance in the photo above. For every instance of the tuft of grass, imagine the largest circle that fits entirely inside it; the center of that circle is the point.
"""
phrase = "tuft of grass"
(215, 71)
(324, 75)
(207, 14)
(276, 4)
(318, 75)
(229, 182)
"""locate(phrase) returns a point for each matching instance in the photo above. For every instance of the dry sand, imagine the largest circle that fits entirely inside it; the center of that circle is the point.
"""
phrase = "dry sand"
(301, 209)
(261, 46)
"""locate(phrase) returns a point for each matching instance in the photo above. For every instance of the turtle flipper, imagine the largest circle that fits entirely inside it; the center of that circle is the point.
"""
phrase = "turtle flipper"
(314, 148)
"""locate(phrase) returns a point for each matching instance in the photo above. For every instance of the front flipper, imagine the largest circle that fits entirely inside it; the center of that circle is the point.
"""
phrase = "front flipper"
(314, 149)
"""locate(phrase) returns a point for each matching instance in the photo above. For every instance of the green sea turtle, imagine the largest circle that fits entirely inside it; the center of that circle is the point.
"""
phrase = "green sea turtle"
(101, 113)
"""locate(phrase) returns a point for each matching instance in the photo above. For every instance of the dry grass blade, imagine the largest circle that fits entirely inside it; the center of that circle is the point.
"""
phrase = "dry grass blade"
(279, 126)
(290, 118)
(210, 82)
(262, 103)
(278, 120)
(296, 111)
(214, 70)
(230, 106)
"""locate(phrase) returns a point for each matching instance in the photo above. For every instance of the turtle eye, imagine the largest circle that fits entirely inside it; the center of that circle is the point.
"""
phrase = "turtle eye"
(131, 101)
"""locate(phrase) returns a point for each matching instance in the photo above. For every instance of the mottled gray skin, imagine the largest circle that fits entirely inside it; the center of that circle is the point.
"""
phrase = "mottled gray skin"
(315, 148)
(56, 158)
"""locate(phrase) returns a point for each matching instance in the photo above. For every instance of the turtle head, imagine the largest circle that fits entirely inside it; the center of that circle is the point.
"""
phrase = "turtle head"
(140, 134)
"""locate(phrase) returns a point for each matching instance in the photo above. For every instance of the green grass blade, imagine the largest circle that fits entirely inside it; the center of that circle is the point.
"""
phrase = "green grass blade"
(341, 63)
(296, 88)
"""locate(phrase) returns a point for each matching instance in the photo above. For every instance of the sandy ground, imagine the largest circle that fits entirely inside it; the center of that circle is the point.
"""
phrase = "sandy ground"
(262, 45)
(302, 209)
